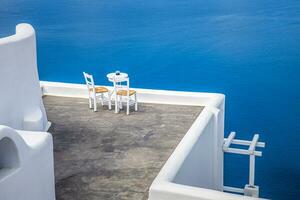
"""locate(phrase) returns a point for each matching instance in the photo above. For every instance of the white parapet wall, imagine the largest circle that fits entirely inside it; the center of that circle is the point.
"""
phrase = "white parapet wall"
(26, 154)
(26, 165)
(144, 95)
(194, 171)
(21, 106)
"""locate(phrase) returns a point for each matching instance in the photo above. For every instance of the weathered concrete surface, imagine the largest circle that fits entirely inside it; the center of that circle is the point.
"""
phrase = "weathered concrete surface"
(104, 155)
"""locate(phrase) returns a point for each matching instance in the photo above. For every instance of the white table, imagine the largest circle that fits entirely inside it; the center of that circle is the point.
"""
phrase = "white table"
(111, 77)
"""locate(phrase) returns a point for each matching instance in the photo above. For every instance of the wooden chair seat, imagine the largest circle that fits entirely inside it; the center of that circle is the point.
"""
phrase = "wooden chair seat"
(124, 92)
(100, 89)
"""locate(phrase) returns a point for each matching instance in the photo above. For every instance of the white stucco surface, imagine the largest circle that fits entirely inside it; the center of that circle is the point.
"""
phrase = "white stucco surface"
(21, 106)
(26, 154)
(26, 165)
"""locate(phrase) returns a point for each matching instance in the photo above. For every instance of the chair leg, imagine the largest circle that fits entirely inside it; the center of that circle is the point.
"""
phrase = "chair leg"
(127, 106)
(109, 101)
(95, 104)
(121, 105)
(116, 104)
(135, 103)
(90, 103)
(102, 102)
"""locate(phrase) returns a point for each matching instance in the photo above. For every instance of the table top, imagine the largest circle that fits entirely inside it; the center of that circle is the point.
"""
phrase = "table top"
(113, 75)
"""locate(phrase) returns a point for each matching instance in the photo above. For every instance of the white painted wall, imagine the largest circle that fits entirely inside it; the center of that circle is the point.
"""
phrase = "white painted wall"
(26, 165)
(21, 106)
(194, 171)
(26, 157)
(144, 95)
(197, 167)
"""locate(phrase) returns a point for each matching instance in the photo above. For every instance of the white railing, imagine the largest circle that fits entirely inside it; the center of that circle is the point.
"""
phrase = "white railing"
(250, 188)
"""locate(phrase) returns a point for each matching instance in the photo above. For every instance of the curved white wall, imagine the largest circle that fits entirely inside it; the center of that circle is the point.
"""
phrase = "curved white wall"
(21, 106)
(26, 165)
(194, 171)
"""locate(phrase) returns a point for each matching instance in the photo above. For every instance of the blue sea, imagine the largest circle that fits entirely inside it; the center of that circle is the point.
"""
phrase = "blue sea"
(248, 50)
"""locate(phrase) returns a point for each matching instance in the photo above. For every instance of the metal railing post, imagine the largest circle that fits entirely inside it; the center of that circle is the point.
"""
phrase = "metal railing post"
(251, 170)
(250, 189)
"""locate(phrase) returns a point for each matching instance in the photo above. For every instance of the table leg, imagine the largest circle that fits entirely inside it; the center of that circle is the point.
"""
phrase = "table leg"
(116, 103)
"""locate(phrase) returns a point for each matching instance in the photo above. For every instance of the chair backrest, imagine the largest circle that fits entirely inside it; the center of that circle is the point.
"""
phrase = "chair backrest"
(89, 80)
(121, 84)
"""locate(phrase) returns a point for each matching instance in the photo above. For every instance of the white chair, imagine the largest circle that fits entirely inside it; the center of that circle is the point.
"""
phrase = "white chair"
(101, 93)
(124, 94)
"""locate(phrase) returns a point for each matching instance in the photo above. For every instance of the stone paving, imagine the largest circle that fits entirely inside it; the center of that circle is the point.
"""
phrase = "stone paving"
(102, 155)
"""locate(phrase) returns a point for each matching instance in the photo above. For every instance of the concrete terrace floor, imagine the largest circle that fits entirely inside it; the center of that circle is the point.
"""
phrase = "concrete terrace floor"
(102, 155)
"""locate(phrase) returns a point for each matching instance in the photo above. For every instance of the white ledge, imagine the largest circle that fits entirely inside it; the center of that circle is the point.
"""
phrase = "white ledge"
(22, 31)
(144, 95)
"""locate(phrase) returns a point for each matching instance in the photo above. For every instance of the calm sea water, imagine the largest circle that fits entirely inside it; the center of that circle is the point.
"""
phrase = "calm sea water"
(246, 49)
